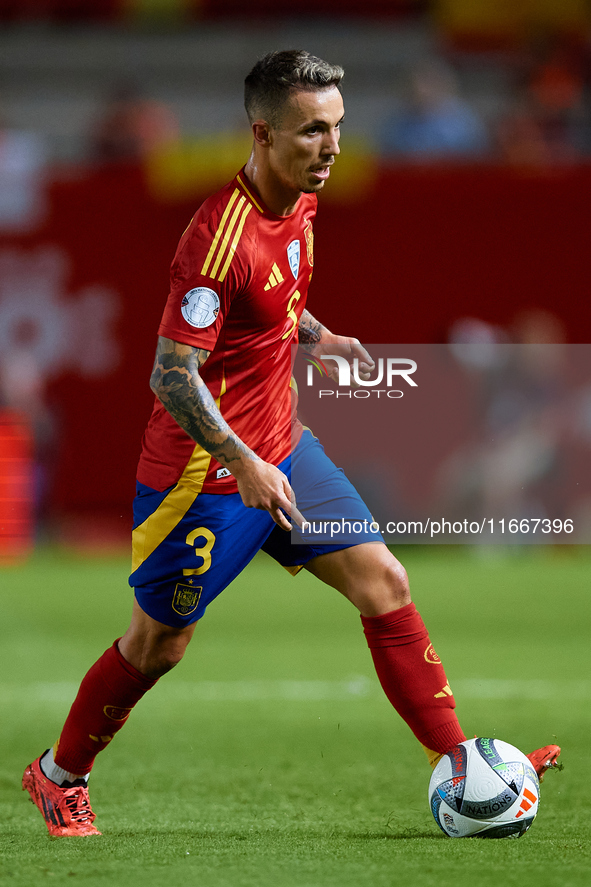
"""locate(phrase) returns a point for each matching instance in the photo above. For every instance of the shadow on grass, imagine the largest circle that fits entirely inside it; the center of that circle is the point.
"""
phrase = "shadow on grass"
(255, 836)
(406, 834)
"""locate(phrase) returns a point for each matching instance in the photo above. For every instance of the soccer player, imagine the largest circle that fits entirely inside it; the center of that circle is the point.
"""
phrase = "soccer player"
(214, 474)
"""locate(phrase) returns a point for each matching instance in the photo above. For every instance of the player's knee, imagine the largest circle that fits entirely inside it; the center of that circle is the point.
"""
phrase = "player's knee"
(396, 583)
(159, 655)
(166, 654)
(384, 588)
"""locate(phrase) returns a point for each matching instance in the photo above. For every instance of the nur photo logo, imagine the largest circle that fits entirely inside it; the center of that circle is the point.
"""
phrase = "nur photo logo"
(388, 372)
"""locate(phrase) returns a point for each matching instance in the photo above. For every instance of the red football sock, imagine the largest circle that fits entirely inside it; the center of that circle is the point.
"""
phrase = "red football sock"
(105, 699)
(412, 676)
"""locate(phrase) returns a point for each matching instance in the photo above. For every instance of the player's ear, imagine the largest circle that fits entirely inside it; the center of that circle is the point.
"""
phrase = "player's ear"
(261, 132)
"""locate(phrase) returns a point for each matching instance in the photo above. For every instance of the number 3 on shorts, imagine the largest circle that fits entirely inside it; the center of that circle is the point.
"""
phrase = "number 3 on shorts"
(203, 552)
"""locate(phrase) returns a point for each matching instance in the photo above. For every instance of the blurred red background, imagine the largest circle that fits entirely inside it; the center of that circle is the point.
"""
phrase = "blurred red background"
(398, 264)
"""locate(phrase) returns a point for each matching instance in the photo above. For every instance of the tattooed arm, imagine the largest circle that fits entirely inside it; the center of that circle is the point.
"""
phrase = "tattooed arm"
(177, 384)
(309, 331)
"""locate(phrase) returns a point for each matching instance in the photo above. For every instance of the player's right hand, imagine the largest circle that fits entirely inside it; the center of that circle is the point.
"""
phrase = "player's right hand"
(264, 486)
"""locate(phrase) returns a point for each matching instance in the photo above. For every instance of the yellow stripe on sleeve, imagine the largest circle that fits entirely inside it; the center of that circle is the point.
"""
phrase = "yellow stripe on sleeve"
(226, 239)
(224, 270)
(219, 232)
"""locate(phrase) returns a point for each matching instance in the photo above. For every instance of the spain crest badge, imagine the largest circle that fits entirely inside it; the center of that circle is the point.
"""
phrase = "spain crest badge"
(309, 235)
(185, 599)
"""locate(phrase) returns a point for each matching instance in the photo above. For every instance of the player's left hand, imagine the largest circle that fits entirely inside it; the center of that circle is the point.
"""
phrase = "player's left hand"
(350, 349)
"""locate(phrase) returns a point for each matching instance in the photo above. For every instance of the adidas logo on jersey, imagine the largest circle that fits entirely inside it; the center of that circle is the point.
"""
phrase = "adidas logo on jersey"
(275, 277)
(222, 472)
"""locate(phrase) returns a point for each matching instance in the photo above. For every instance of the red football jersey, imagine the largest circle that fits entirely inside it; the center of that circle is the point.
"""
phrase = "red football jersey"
(239, 282)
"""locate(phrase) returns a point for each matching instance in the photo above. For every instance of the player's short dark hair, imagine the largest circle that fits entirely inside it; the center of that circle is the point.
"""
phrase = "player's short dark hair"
(278, 74)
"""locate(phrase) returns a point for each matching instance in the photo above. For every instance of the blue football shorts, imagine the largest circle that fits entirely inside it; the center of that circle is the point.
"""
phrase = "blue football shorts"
(189, 546)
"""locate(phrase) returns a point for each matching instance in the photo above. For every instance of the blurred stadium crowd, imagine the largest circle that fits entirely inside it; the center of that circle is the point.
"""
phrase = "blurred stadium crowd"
(453, 79)
(122, 111)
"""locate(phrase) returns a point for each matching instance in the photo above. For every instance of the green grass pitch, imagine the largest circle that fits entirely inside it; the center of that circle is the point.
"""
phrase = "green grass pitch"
(270, 756)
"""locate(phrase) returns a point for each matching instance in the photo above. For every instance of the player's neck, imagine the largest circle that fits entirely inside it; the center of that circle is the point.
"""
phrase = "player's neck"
(275, 196)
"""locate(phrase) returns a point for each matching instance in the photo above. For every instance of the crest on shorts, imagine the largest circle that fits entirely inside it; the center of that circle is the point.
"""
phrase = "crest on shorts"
(293, 256)
(185, 599)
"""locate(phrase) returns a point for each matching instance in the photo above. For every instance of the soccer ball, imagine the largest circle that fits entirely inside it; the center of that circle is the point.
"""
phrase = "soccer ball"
(484, 788)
